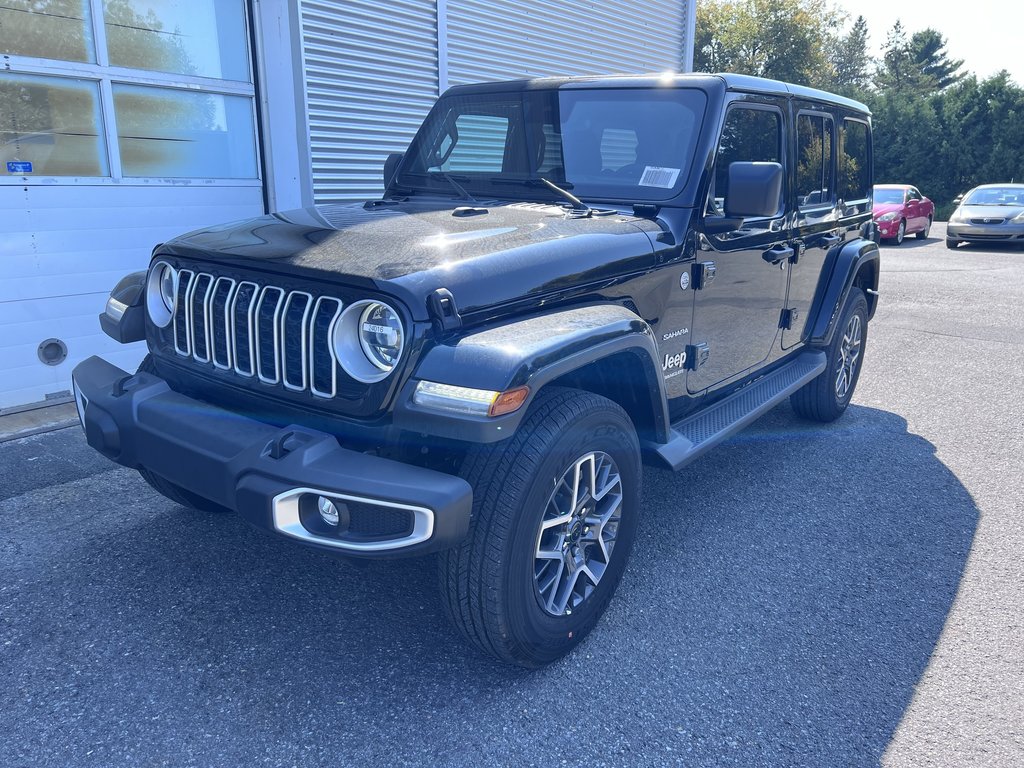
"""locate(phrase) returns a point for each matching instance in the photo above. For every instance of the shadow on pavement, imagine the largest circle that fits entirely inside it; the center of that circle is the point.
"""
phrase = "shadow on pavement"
(783, 600)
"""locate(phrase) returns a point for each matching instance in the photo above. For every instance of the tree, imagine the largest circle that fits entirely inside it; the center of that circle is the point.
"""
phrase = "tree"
(850, 60)
(781, 39)
(928, 51)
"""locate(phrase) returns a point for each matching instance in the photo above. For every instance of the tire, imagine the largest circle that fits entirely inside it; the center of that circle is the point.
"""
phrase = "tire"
(901, 232)
(825, 398)
(952, 244)
(508, 602)
(165, 487)
(923, 234)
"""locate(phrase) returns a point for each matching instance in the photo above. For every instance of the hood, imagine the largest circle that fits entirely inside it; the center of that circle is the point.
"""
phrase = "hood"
(1006, 212)
(511, 251)
(880, 208)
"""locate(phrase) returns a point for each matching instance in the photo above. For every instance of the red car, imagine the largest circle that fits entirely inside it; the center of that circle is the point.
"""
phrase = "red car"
(900, 210)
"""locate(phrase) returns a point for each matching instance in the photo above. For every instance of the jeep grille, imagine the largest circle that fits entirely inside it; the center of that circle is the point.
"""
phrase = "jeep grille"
(278, 336)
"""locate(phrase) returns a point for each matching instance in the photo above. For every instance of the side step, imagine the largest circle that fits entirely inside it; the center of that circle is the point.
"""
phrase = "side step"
(705, 429)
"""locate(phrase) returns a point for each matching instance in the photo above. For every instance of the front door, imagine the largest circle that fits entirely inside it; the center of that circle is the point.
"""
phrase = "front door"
(737, 311)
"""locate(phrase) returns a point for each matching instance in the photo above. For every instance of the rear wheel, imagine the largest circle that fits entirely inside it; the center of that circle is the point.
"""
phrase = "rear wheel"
(826, 397)
(923, 234)
(165, 487)
(554, 515)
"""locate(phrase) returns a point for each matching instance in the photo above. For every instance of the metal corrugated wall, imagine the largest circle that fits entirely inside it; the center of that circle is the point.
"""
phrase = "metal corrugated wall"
(371, 76)
(508, 39)
(373, 70)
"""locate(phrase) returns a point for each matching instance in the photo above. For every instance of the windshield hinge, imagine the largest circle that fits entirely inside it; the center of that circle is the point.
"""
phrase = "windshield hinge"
(443, 312)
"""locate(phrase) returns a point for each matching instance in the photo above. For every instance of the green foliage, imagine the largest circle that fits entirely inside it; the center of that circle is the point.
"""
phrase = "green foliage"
(934, 126)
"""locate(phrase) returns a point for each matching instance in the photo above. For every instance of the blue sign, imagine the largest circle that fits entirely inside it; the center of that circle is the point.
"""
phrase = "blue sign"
(19, 166)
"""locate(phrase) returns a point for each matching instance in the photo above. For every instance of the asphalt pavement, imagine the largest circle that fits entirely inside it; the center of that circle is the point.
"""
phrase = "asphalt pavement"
(841, 595)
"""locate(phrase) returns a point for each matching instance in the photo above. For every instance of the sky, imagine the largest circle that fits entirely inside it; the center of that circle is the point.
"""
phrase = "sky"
(987, 35)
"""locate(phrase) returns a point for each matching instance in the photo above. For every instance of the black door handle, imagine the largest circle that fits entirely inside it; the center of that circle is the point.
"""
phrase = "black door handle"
(829, 240)
(777, 254)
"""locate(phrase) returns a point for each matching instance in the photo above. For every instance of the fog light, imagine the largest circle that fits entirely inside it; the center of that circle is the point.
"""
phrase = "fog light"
(328, 511)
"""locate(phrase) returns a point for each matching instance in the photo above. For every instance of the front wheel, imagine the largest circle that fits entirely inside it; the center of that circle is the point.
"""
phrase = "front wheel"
(901, 232)
(554, 516)
(951, 243)
(826, 397)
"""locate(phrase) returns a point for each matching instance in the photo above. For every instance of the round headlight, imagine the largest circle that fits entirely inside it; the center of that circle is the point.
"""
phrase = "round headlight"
(161, 293)
(380, 335)
(368, 340)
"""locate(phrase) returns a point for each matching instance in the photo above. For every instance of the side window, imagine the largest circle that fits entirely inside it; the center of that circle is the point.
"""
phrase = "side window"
(855, 162)
(815, 137)
(479, 145)
(749, 135)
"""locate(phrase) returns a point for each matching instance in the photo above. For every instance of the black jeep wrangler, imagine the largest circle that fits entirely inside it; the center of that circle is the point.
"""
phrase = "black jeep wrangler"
(563, 278)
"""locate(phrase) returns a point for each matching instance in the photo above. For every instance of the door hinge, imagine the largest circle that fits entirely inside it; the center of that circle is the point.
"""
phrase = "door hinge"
(788, 319)
(697, 355)
(703, 274)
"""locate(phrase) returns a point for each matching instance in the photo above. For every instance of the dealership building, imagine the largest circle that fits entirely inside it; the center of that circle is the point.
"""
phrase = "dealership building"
(126, 122)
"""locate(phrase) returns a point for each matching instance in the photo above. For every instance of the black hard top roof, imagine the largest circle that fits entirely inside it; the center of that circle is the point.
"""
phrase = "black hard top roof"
(730, 81)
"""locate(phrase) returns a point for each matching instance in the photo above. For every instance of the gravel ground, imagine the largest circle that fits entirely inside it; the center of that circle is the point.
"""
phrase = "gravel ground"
(804, 595)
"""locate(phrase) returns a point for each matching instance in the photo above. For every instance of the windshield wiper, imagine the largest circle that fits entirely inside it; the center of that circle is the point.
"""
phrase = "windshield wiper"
(577, 205)
(458, 187)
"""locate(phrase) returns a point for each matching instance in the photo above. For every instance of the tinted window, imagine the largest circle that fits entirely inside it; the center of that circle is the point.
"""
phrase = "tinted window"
(634, 144)
(749, 135)
(477, 144)
(814, 160)
(855, 161)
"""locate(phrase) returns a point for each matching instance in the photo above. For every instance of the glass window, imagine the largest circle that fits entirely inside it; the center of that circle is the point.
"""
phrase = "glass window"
(749, 135)
(189, 37)
(603, 143)
(476, 145)
(164, 132)
(639, 139)
(50, 126)
(51, 29)
(618, 148)
(855, 167)
(814, 160)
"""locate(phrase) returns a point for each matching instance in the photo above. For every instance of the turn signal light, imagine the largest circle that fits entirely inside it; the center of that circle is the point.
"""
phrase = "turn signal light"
(508, 402)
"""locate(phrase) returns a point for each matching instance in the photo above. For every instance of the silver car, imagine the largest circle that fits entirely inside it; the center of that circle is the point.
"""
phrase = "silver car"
(988, 214)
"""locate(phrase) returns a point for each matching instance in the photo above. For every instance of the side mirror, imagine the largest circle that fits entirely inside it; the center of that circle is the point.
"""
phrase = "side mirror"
(391, 167)
(754, 190)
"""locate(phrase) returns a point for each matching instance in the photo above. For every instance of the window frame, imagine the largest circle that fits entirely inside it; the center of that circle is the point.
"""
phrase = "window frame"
(709, 208)
(106, 76)
(867, 199)
(823, 205)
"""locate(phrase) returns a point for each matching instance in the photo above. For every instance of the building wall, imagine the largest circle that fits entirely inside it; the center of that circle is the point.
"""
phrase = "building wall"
(373, 70)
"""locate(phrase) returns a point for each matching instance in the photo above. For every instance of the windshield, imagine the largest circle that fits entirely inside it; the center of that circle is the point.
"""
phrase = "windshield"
(617, 144)
(885, 196)
(996, 196)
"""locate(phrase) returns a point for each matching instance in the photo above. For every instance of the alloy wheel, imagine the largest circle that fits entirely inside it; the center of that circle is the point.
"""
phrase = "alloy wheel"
(849, 356)
(577, 533)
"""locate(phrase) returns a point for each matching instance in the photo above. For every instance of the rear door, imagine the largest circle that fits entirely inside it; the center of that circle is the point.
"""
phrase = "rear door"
(740, 277)
(816, 200)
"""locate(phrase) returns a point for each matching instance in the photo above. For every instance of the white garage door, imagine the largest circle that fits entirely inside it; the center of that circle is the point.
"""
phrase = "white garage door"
(122, 123)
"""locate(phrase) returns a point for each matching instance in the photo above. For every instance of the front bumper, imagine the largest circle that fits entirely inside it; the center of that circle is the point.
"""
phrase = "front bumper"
(1006, 232)
(271, 476)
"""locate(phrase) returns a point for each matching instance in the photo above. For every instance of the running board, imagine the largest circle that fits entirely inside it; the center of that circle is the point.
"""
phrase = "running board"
(692, 436)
